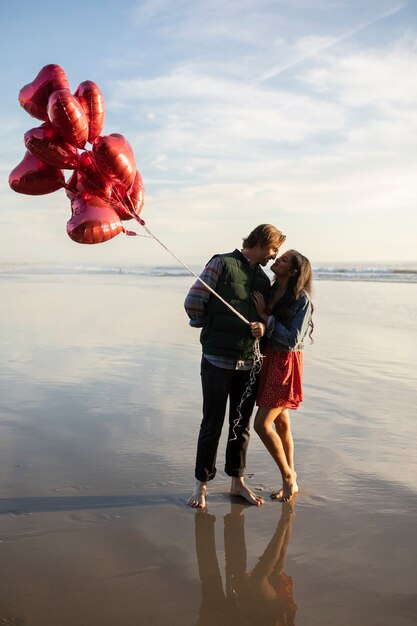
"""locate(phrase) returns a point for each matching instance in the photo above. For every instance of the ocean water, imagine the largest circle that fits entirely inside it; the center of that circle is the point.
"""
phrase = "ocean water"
(100, 404)
(368, 272)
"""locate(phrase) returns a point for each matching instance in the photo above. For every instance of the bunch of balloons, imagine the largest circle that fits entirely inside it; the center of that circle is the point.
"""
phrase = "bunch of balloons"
(105, 186)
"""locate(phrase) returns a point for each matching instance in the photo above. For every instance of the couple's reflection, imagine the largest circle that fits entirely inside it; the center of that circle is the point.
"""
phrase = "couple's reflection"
(264, 596)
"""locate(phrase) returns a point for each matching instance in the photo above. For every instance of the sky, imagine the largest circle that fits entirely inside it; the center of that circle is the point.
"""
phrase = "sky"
(299, 113)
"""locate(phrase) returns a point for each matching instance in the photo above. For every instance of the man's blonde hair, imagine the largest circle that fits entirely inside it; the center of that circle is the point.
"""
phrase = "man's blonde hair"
(265, 235)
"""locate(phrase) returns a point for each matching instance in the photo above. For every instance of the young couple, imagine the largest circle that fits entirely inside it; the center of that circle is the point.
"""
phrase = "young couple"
(282, 314)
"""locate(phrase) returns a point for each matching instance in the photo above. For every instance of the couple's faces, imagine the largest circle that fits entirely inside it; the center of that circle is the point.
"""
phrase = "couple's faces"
(283, 265)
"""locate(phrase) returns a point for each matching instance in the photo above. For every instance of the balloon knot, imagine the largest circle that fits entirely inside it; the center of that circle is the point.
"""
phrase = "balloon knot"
(130, 233)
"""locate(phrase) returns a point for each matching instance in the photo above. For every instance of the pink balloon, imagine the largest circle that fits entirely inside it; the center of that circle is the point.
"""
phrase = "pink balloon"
(45, 144)
(34, 96)
(87, 178)
(129, 202)
(34, 177)
(68, 117)
(93, 220)
(114, 156)
(92, 101)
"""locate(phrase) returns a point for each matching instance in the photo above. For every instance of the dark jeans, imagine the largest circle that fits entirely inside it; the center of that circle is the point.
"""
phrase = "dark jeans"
(220, 385)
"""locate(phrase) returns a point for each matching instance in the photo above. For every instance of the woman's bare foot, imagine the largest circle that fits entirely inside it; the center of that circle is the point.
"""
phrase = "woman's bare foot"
(238, 488)
(277, 495)
(289, 489)
(198, 498)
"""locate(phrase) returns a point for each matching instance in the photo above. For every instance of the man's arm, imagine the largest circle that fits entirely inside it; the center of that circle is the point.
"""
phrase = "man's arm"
(196, 301)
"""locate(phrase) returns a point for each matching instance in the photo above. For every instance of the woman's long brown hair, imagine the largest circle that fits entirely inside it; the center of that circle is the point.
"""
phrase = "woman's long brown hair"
(300, 282)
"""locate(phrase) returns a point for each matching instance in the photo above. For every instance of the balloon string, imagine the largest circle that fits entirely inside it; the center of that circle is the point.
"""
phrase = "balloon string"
(229, 306)
(257, 355)
(142, 223)
(256, 368)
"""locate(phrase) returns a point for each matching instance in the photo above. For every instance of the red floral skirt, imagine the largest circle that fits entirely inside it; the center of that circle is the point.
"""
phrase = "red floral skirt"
(280, 381)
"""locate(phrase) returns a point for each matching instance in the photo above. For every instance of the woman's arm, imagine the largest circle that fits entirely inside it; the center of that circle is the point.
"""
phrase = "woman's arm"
(294, 333)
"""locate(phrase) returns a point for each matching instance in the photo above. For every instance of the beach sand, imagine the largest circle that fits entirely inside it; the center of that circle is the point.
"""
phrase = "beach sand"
(100, 405)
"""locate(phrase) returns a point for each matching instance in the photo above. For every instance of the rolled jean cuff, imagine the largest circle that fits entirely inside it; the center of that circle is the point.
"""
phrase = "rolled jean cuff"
(204, 478)
(235, 473)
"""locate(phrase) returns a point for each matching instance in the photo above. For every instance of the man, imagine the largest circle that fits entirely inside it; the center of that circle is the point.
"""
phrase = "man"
(228, 354)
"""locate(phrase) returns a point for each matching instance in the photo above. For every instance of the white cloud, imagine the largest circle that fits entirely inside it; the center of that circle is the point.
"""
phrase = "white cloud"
(359, 103)
(368, 78)
(196, 113)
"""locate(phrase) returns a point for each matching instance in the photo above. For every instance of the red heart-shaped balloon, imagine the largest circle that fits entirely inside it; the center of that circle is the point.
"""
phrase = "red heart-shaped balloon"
(68, 117)
(93, 220)
(71, 188)
(115, 158)
(87, 178)
(45, 144)
(34, 177)
(34, 96)
(137, 193)
(129, 201)
(92, 101)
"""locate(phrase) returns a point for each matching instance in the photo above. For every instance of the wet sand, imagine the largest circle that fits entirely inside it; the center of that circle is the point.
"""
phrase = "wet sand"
(99, 411)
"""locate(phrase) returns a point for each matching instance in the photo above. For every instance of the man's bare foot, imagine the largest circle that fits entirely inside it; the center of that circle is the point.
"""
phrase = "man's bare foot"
(239, 488)
(289, 489)
(198, 498)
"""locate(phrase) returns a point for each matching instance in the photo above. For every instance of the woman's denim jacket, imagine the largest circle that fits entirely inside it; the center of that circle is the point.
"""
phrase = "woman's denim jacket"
(290, 338)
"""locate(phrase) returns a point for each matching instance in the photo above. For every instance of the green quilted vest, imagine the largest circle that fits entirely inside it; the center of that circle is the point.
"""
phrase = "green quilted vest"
(223, 332)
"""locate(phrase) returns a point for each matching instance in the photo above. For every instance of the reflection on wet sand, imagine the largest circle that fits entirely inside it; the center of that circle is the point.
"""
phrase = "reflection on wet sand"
(263, 595)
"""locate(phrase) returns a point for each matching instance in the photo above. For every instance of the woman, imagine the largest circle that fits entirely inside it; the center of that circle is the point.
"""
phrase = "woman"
(286, 320)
